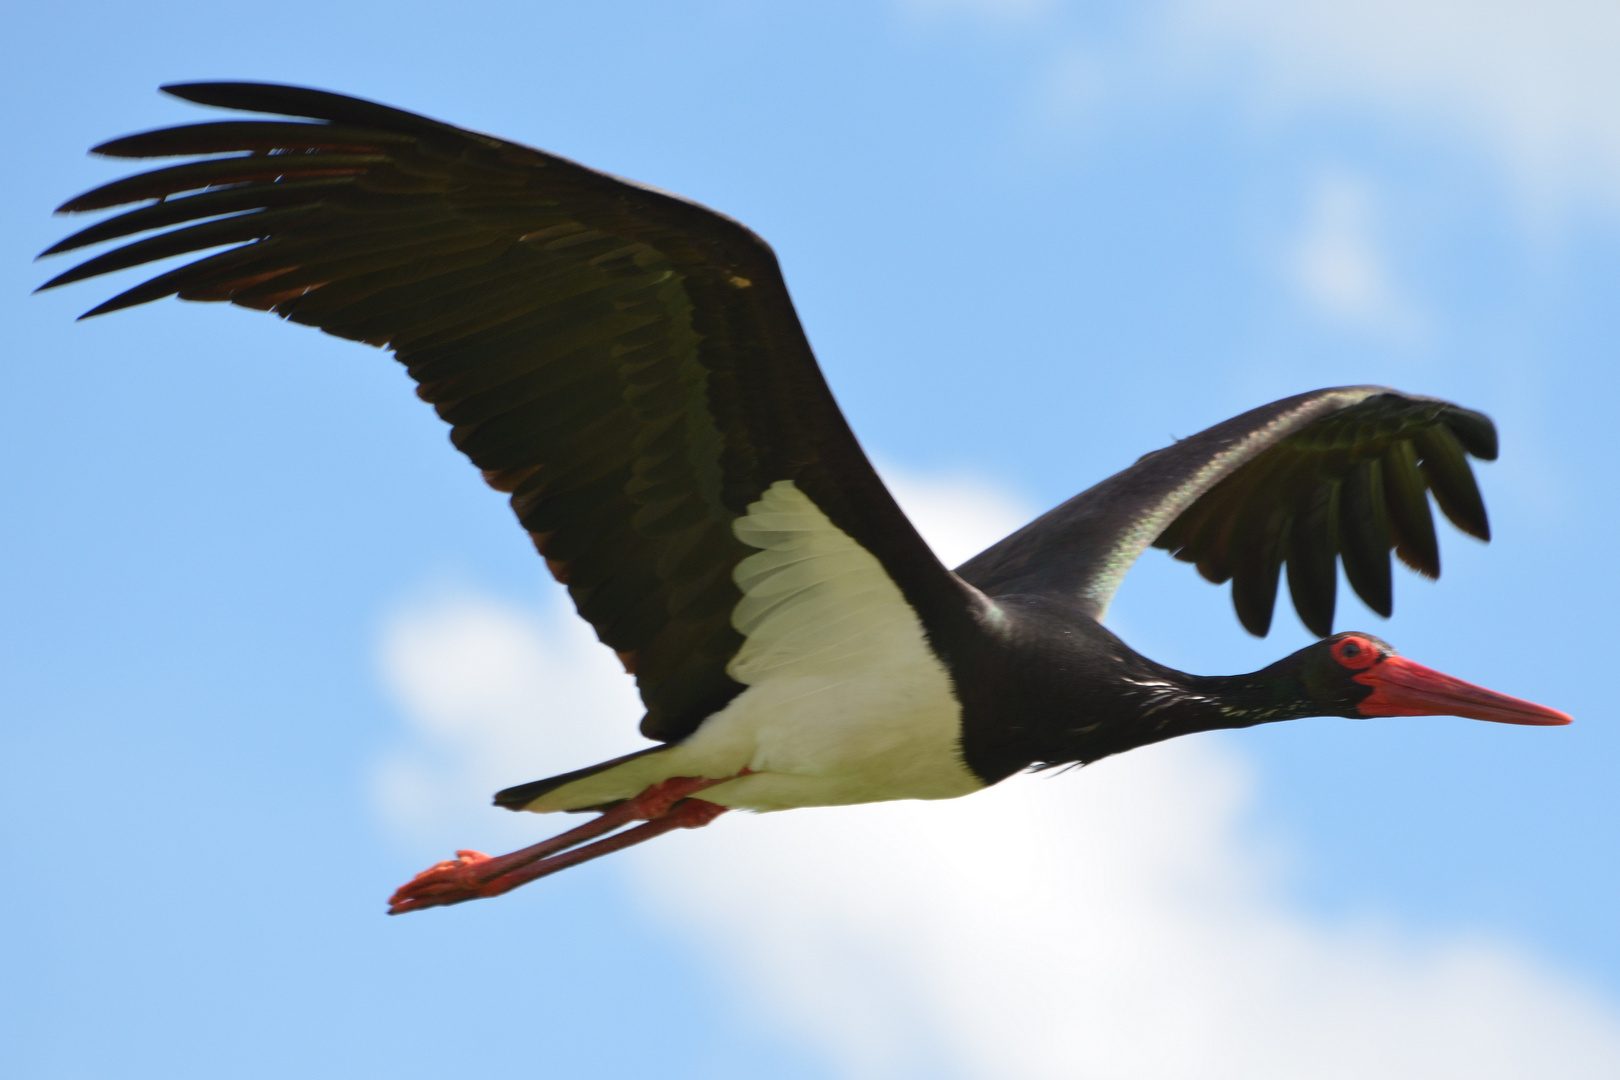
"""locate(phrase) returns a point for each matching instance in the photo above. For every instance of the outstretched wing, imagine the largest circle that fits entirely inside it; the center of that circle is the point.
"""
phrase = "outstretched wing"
(1334, 474)
(626, 363)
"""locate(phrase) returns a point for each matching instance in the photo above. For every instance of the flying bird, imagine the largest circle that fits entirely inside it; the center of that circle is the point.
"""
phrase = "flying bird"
(627, 365)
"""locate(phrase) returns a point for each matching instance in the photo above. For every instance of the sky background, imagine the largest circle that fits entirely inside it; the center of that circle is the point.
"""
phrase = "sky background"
(267, 646)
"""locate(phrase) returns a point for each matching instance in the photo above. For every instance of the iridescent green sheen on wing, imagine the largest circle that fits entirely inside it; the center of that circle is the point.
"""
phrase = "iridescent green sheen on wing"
(1302, 483)
(1150, 525)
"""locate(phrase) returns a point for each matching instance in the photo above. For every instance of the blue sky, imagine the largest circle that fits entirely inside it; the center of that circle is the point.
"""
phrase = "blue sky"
(268, 644)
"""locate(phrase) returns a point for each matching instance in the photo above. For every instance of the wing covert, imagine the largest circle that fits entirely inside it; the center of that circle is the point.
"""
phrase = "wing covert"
(1342, 474)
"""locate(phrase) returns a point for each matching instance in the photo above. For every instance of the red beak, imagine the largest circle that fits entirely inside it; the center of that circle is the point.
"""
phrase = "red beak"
(1402, 688)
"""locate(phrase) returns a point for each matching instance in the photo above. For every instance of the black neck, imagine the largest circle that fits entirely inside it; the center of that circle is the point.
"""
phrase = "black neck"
(1154, 703)
(1043, 684)
(1214, 702)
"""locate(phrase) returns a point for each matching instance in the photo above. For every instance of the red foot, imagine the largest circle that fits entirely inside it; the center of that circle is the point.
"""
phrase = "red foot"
(448, 882)
(473, 875)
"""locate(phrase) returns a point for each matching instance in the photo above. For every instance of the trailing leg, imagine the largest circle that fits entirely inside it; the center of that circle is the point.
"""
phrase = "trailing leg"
(473, 875)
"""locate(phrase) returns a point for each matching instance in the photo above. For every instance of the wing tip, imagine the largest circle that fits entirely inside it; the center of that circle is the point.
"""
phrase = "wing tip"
(206, 91)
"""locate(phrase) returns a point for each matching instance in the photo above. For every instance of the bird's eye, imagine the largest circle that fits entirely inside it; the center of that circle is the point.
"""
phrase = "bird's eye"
(1355, 653)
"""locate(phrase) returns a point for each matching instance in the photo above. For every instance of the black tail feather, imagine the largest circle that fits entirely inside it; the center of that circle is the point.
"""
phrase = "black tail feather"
(516, 798)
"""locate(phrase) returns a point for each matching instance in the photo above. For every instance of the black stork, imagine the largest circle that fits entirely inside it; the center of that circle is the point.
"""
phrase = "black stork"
(627, 365)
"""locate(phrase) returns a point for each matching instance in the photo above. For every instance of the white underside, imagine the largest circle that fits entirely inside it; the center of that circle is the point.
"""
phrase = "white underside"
(845, 701)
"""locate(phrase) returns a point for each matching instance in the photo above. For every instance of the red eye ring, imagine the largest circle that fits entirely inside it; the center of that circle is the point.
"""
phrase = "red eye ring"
(1355, 653)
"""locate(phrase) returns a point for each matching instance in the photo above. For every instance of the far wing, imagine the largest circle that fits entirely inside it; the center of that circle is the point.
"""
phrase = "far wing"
(1334, 474)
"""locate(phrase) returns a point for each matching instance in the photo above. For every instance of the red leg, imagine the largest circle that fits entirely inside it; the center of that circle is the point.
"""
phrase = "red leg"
(472, 874)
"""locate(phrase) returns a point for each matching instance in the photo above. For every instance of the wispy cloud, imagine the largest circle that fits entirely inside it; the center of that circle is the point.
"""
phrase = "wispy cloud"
(1533, 81)
(959, 516)
(494, 695)
(1119, 922)
(1339, 264)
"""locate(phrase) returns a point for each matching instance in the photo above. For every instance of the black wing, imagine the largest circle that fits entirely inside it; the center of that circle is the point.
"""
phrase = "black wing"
(626, 363)
(1339, 473)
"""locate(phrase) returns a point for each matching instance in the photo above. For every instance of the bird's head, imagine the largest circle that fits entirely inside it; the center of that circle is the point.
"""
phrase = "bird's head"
(1357, 675)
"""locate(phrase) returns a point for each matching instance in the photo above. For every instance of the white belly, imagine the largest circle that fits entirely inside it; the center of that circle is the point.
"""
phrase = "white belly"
(845, 701)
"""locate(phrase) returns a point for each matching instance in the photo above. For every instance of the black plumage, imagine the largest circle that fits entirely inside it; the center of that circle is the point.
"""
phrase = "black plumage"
(628, 367)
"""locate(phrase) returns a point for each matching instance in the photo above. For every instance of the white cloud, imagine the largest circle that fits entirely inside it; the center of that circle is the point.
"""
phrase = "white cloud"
(494, 695)
(959, 516)
(1338, 264)
(1121, 921)
(1113, 923)
(1534, 80)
